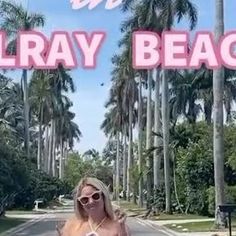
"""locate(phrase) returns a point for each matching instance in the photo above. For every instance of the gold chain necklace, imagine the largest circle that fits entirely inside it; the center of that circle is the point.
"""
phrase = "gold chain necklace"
(94, 230)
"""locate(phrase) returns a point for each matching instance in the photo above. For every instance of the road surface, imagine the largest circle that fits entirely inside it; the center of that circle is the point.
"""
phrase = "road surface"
(46, 227)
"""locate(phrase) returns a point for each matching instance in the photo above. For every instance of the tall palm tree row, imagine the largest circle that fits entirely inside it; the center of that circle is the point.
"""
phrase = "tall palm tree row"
(13, 19)
(123, 97)
(161, 15)
(46, 107)
(51, 106)
(179, 95)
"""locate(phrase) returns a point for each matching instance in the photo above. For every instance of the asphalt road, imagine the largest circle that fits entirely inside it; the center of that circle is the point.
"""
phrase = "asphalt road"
(46, 227)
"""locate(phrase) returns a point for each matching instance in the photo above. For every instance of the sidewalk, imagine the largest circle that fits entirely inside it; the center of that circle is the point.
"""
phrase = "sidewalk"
(35, 216)
(32, 219)
(162, 224)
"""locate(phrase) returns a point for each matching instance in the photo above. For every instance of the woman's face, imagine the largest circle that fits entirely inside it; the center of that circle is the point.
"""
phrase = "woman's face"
(91, 199)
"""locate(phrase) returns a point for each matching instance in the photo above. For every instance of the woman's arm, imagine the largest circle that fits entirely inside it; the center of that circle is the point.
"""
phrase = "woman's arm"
(59, 228)
(124, 230)
(121, 218)
(68, 227)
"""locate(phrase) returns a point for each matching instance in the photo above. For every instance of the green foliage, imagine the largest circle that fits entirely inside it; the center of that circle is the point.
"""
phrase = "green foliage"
(18, 175)
(230, 197)
(194, 169)
(109, 151)
(40, 186)
(13, 171)
(134, 178)
(79, 167)
(230, 149)
(158, 198)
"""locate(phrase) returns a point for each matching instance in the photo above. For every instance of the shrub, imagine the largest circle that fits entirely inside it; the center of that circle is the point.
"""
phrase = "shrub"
(230, 197)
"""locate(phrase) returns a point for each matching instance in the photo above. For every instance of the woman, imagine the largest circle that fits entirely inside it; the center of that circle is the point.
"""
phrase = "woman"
(94, 215)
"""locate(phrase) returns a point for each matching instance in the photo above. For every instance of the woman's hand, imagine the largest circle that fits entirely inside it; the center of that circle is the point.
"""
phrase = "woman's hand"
(121, 219)
(120, 216)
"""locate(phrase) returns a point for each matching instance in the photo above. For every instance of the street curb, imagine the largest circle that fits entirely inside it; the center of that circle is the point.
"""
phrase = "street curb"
(161, 228)
(164, 228)
(151, 224)
(11, 232)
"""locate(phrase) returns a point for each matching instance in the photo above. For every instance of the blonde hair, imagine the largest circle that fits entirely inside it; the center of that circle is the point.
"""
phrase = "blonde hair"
(100, 186)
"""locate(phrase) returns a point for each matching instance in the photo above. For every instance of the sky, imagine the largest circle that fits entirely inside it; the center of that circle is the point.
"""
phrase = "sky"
(90, 96)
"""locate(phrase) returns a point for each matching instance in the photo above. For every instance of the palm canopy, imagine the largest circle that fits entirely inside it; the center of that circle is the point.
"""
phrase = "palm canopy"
(204, 82)
(15, 18)
(144, 16)
(68, 129)
(124, 87)
(112, 122)
(167, 11)
(11, 107)
(184, 94)
(188, 86)
(47, 88)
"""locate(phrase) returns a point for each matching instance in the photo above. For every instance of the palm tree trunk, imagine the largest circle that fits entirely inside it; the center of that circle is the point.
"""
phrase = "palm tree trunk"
(140, 141)
(218, 136)
(130, 150)
(61, 161)
(149, 139)
(46, 149)
(124, 164)
(26, 112)
(208, 110)
(175, 185)
(117, 165)
(165, 122)
(114, 180)
(54, 149)
(66, 153)
(39, 156)
(157, 129)
(50, 155)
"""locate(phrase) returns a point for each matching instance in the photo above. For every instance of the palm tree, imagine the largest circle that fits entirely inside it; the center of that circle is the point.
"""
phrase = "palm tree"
(184, 94)
(123, 77)
(167, 12)
(140, 138)
(67, 132)
(149, 137)
(51, 107)
(157, 128)
(203, 82)
(60, 81)
(14, 19)
(112, 127)
(144, 17)
(218, 136)
(11, 110)
(40, 99)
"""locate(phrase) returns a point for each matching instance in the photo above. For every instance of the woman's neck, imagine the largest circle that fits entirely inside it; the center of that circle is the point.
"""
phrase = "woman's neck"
(97, 218)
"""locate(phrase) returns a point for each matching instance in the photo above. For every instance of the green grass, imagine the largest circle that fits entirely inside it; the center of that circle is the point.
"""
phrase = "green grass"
(131, 207)
(8, 223)
(200, 227)
(163, 216)
(128, 205)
